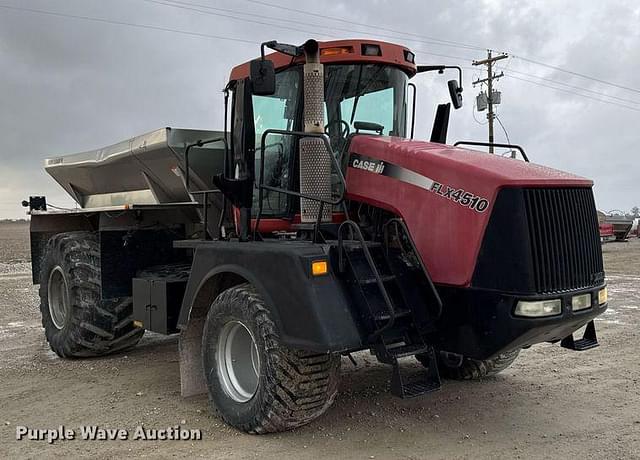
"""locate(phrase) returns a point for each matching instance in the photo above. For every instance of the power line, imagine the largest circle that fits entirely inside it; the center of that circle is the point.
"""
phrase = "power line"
(190, 7)
(333, 18)
(580, 88)
(253, 21)
(166, 29)
(505, 134)
(450, 42)
(130, 24)
(577, 74)
(503, 129)
(196, 8)
(251, 42)
(574, 93)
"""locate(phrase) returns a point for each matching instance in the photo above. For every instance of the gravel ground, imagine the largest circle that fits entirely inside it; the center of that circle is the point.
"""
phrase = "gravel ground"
(552, 403)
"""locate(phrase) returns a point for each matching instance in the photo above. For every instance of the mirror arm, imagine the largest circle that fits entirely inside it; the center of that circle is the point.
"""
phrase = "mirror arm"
(440, 69)
(459, 73)
(270, 44)
(289, 50)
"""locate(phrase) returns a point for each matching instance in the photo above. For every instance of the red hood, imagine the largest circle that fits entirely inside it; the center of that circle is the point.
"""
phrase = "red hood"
(411, 178)
(427, 157)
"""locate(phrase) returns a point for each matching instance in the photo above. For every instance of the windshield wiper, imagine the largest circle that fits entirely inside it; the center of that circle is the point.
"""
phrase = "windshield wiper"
(355, 102)
(362, 91)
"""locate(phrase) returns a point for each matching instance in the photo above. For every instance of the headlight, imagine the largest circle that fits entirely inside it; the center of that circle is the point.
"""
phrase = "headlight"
(580, 302)
(539, 308)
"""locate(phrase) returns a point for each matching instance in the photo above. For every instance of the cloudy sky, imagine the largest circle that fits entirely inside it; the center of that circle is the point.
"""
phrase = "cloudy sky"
(70, 84)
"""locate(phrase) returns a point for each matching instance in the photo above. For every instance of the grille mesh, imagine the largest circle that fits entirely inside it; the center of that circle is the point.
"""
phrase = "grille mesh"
(315, 179)
(564, 238)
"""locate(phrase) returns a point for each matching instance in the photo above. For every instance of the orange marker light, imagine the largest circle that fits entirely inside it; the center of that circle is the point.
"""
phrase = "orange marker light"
(319, 267)
(603, 296)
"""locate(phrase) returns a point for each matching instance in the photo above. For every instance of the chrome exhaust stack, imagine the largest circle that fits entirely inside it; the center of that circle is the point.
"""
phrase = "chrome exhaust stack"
(315, 164)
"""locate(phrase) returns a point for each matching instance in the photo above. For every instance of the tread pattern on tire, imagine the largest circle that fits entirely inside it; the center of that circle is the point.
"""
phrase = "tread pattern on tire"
(474, 369)
(96, 327)
(298, 385)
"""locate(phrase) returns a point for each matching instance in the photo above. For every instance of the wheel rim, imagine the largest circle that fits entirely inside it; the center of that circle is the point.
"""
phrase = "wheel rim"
(58, 297)
(238, 361)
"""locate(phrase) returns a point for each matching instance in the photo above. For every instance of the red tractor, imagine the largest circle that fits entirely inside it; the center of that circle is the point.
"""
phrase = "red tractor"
(312, 227)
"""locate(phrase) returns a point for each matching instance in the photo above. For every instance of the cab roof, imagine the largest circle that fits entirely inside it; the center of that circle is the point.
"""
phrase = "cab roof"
(343, 52)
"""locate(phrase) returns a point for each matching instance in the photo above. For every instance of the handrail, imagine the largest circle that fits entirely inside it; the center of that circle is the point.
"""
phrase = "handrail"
(400, 222)
(376, 274)
(200, 143)
(493, 144)
(413, 109)
(262, 187)
(205, 193)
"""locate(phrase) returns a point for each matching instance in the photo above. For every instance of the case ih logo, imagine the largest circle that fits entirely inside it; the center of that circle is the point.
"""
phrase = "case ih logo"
(457, 195)
(374, 166)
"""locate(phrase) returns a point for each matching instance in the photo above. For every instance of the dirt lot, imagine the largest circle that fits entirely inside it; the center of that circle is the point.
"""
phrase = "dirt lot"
(552, 403)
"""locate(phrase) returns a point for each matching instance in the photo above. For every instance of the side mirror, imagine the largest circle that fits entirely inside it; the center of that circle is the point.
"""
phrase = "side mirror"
(455, 91)
(263, 77)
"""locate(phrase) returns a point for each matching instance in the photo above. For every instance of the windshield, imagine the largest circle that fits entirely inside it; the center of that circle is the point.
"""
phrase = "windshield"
(371, 93)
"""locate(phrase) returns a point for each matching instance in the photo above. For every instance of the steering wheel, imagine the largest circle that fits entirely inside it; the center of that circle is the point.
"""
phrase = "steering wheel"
(345, 131)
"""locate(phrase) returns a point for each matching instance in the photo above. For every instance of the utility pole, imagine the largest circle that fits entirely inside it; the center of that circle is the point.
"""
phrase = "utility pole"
(489, 81)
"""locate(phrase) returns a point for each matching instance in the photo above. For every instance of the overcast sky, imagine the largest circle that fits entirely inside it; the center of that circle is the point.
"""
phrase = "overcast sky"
(68, 85)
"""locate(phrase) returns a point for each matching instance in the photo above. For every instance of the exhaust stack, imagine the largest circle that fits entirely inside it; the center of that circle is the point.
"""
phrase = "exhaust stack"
(315, 164)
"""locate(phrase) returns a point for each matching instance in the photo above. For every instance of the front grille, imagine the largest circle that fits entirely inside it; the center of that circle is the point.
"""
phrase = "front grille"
(564, 238)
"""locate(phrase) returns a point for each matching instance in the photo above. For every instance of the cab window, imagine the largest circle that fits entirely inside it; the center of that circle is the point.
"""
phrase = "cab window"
(277, 111)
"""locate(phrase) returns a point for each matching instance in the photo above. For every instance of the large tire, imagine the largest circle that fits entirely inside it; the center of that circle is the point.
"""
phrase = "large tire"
(77, 322)
(287, 388)
(473, 369)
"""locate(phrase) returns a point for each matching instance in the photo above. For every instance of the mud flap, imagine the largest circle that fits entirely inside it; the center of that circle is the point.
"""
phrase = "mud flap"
(589, 339)
(192, 381)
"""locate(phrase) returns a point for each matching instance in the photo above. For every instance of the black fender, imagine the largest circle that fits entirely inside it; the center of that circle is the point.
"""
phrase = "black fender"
(311, 312)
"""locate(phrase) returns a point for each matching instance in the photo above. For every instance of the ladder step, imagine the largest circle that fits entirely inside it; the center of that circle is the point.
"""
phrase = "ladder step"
(384, 279)
(418, 388)
(355, 246)
(585, 344)
(424, 381)
(589, 339)
(407, 350)
(387, 316)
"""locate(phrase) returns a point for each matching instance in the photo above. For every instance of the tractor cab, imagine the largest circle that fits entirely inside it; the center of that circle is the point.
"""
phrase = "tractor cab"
(366, 87)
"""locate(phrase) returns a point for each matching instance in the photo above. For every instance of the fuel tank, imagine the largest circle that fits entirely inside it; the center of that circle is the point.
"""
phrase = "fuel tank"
(445, 194)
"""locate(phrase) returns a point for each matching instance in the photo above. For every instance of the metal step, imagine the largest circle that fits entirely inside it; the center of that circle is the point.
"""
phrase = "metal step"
(355, 246)
(422, 382)
(386, 316)
(384, 279)
(589, 339)
(585, 344)
(418, 388)
(407, 350)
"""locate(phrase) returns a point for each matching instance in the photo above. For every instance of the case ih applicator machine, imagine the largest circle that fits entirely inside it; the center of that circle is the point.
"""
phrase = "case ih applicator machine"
(312, 227)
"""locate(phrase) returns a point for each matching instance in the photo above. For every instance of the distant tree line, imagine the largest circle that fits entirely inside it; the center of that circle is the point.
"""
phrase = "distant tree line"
(14, 221)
